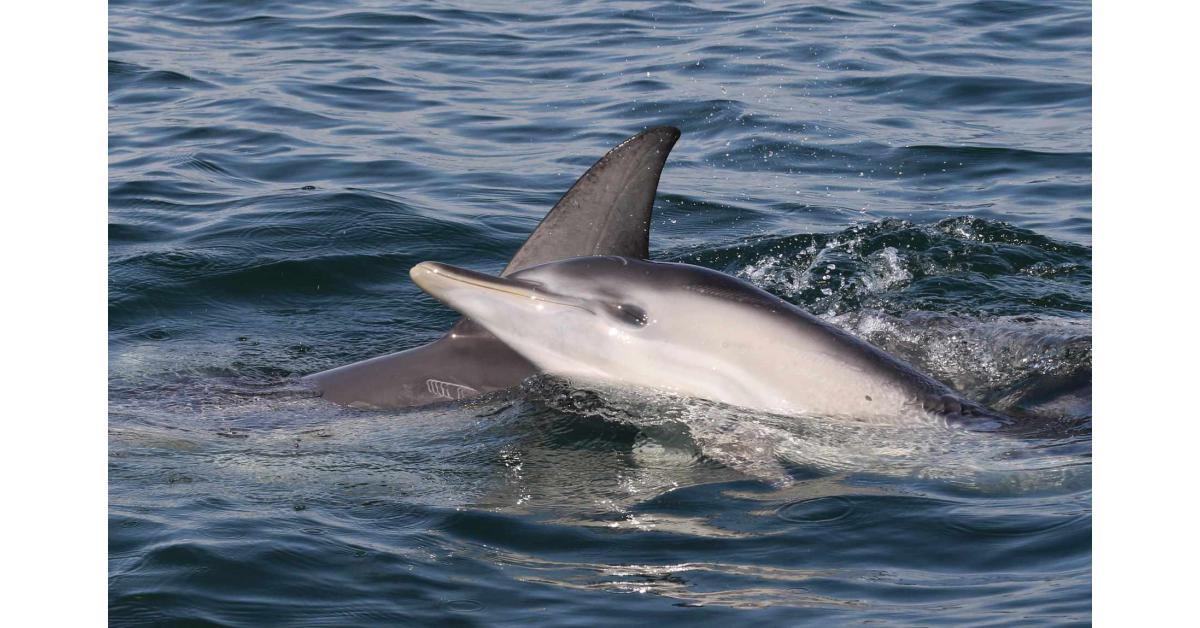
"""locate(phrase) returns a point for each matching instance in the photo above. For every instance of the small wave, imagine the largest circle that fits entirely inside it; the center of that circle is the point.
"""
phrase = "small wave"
(958, 265)
(774, 449)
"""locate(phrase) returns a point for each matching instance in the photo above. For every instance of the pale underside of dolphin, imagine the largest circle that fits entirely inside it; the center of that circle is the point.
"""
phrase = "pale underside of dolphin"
(696, 332)
(606, 212)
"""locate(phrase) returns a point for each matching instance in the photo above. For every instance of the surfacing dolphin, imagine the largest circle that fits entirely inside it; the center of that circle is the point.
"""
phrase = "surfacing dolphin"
(606, 212)
(692, 331)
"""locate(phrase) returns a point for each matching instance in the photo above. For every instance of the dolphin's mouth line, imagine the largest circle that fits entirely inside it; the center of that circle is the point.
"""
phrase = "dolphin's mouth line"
(498, 286)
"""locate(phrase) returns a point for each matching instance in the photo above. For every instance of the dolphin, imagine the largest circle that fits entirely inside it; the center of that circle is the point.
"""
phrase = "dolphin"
(692, 331)
(606, 212)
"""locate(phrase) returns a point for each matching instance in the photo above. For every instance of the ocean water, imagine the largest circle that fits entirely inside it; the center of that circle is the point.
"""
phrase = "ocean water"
(918, 173)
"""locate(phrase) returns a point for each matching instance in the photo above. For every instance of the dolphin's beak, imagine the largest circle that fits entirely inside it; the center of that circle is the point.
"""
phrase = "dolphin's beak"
(452, 285)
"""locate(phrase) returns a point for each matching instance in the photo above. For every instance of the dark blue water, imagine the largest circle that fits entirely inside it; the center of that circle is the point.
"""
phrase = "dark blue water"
(918, 173)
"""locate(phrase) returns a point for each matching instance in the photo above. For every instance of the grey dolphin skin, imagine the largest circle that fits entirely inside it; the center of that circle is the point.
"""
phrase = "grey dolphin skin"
(696, 332)
(606, 212)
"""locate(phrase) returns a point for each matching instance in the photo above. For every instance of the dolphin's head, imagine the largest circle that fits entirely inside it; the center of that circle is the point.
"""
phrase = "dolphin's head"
(589, 316)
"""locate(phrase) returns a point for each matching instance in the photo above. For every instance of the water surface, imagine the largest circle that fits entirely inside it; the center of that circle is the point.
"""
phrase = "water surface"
(918, 173)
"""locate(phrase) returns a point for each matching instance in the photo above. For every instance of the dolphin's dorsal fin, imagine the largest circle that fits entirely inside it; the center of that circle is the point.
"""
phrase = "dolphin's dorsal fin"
(607, 211)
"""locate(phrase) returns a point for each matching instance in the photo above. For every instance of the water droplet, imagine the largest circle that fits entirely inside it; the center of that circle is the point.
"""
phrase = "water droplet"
(816, 510)
(463, 606)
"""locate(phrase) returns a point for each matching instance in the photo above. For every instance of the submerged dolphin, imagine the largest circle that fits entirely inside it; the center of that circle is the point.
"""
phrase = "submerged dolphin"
(692, 331)
(606, 212)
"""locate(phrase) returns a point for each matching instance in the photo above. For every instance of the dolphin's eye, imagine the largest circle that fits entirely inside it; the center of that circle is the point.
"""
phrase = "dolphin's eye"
(628, 314)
